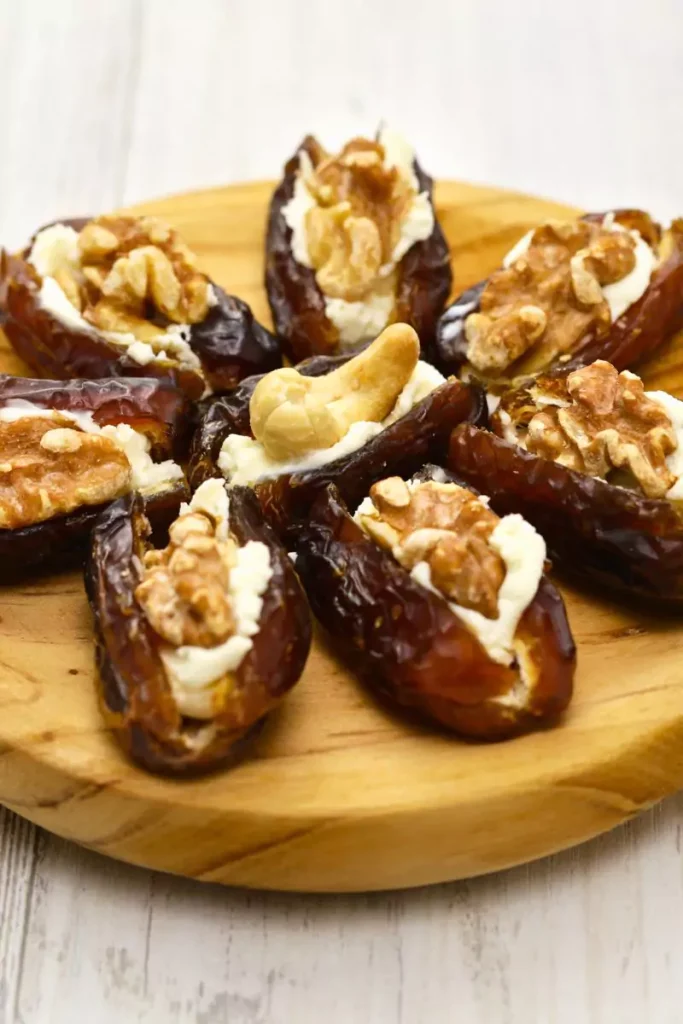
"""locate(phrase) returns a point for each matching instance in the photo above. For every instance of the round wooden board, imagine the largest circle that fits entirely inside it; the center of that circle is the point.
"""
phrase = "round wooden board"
(338, 794)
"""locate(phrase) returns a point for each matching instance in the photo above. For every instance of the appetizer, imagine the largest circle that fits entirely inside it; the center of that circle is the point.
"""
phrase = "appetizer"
(67, 449)
(122, 296)
(595, 462)
(440, 605)
(288, 434)
(198, 641)
(353, 244)
(604, 286)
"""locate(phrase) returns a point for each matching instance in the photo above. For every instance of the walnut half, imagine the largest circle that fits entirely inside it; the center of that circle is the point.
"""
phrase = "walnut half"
(598, 421)
(446, 526)
(49, 469)
(134, 274)
(184, 590)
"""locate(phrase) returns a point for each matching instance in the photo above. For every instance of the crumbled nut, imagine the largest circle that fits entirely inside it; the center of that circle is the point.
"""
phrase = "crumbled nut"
(184, 589)
(50, 469)
(598, 421)
(356, 224)
(134, 273)
(561, 276)
(292, 414)
(446, 526)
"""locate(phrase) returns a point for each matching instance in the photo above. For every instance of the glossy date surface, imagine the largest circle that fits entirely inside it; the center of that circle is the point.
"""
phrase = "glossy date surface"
(137, 697)
(593, 529)
(297, 303)
(410, 648)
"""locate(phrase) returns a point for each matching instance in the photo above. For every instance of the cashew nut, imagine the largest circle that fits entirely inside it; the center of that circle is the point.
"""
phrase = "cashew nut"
(291, 414)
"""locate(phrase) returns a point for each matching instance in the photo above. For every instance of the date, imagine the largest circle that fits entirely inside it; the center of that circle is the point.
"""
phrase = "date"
(411, 649)
(137, 697)
(297, 303)
(594, 530)
(641, 329)
(226, 345)
(154, 408)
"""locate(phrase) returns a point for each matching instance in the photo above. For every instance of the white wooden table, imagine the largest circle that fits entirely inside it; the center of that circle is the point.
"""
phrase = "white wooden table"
(113, 101)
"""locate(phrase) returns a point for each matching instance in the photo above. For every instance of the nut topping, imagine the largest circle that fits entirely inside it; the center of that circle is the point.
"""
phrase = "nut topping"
(597, 421)
(354, 227)
(134, 274)
(551, 294)
(184, 590)
(49, 469)
(292, 414)
(446, 526)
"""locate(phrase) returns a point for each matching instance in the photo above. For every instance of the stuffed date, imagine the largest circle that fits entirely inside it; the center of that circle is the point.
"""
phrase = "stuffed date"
(596, 464)
(67, 449)
(122, 296)
(442, 607)
(198, 641)
(288, 434)
(353, 244)
(604, 286)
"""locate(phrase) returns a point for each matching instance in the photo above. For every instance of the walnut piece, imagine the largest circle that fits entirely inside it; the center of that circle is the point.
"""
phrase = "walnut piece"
(446, 526)
(49, 469)
(354, 227)
(184, 590)
(550, 296)
(135, 276)
(598, 421)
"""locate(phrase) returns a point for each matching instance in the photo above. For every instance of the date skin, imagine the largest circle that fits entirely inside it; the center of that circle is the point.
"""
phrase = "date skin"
(230, 343)
(418, 437)
(137, 698)
(154, 407)
(636, 334)
(594, 530)
(297, 304)
(411, 649)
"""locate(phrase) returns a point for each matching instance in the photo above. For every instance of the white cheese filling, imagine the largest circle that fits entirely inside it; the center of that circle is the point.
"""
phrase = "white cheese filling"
(523, 551)
(55, 248)
(147, 476)
(244, 460)
(621, 295)
(193, 671)
(359, 321)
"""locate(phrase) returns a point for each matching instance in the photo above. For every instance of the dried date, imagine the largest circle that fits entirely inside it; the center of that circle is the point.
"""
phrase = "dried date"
(138, 701)
(594, 530)
(410, 648)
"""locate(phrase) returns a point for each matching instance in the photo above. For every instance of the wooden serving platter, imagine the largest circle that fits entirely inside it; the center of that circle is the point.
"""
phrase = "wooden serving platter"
(339, 794)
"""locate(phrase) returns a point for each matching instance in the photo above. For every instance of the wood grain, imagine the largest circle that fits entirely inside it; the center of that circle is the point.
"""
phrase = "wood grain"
(339, 794)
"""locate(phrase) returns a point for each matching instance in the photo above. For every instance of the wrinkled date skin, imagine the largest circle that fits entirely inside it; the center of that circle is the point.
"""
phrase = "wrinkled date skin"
(418, 437)
(593, 529)
(229, 341)
(136, 695)
(636, 334)
(297, 304)
(412, 649)
(155, 408)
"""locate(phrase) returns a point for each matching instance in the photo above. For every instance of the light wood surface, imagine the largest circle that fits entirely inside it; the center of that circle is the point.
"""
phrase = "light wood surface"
(112, 102)
(339, 794)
